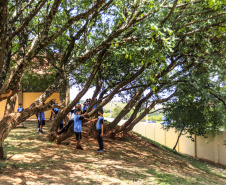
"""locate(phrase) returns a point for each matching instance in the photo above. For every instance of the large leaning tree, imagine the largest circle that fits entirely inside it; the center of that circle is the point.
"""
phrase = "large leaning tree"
(28, 28)
(152, 59)
(140, 49)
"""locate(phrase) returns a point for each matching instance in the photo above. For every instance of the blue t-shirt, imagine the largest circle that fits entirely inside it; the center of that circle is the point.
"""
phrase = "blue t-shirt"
(56, 110)
(94, 106)
(20, 109)
(78, 123)
(42, 114)
(85, 107)
(100, 121)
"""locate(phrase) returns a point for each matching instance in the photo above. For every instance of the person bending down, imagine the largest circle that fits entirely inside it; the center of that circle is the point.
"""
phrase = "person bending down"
(78, 127)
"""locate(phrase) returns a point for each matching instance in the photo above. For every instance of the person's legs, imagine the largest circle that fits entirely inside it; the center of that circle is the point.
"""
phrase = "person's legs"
(78, 140)
(100, 140)
(40, 130)
(39, 125)
(77, 144)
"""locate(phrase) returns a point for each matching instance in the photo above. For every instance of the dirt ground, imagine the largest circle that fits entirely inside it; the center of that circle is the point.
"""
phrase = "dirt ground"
(31, 159)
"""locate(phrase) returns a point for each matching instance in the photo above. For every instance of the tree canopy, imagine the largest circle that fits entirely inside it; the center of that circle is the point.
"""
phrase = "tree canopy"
(149, 52)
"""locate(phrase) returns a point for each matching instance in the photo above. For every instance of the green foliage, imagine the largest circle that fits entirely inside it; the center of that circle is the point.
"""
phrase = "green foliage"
(117, 110)
(33, 82)
(195, 110)
(183, 51)
(106, 115)
(155, 118)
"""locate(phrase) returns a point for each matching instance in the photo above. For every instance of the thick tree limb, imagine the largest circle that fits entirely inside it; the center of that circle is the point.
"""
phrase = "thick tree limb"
(27, 20)
(17, 13)
(3, 34)
(203, 20)
(170, 13)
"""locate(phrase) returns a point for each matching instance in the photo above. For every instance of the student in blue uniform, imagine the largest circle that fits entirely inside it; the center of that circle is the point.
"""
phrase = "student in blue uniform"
(100, 130)
(85, 107)
(38, 122)
(20, 108)
(41, 119)
(95, 105)
(78, 127)
(55, 112)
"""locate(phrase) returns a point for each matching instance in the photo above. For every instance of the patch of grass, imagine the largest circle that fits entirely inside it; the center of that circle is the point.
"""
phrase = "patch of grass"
(204, 166)
(165, 178)
(160, 146)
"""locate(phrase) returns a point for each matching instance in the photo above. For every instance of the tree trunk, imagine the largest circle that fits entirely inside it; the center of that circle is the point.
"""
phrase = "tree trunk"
(65, 135)
(125, 110)
(178, 139)
(1, 152)
(6, 124)
(10, 104)
(116, 89)
(3, 36)
(128, 125)
(63, 113)
(96, 92)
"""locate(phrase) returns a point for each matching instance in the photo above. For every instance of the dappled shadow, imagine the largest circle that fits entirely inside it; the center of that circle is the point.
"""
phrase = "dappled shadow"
(31, 159)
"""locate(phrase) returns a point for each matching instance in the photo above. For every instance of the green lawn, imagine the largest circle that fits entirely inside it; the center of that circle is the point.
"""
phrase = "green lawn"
(31, 159)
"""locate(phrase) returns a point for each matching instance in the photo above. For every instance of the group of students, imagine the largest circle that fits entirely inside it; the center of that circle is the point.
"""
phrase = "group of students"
(77, 115)
(40, 116)
(84, 108)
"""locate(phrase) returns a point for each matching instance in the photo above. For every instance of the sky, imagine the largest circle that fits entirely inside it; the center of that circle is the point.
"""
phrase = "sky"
(74, 91)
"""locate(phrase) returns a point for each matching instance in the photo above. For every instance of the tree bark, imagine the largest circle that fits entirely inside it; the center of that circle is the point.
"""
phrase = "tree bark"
(3, 37)
(111, 95)
(10, 104)
(1, 152)
(64, 99)
(66, 110)
(125, 110)
(11, 120)
(178, 139)
(65, 135)
(128, 126)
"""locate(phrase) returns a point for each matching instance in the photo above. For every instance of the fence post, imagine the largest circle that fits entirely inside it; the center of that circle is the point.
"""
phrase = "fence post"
(178, 144)
(216, 149)
(165, 136)
(195, 146)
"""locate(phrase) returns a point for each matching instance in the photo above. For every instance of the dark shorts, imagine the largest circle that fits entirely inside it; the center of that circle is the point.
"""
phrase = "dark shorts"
(43, 122)
(78, 136)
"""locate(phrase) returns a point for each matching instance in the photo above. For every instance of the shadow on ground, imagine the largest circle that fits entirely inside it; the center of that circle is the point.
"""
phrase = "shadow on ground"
(31, 159)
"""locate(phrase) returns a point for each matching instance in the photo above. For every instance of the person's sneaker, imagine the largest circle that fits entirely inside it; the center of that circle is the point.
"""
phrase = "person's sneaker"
(37, 130)
(40, 132)
(98, 150)
(101, 151)
(80, 147)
